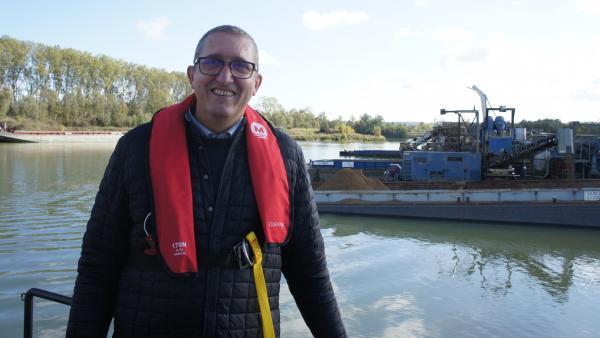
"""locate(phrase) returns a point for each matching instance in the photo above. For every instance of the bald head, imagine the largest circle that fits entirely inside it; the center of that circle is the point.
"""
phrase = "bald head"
(229, 29)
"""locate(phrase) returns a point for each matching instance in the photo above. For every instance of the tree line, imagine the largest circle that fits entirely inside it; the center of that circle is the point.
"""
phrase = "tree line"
(305, 118)
(46, 87)
(550, 126)
(49, 86)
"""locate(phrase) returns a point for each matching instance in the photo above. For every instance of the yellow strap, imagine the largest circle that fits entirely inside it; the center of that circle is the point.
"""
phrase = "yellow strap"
(261, 287)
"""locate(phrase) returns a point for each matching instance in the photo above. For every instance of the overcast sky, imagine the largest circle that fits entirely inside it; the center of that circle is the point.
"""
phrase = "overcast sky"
(404, 60)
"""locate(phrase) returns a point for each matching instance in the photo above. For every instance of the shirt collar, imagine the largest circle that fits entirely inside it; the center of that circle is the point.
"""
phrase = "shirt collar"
(204, 131)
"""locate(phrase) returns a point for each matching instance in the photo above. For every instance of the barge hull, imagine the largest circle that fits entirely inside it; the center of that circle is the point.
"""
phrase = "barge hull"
(579, 214)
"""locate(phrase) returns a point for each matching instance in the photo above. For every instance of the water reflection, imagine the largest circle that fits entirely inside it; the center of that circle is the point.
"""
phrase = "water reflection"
(28, 168)
(460, 272)
(490, 253)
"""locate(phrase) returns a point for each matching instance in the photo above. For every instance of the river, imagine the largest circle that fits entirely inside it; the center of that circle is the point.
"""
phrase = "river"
(392, 277)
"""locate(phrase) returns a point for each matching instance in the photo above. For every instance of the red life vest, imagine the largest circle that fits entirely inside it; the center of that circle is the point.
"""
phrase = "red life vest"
(171, 184)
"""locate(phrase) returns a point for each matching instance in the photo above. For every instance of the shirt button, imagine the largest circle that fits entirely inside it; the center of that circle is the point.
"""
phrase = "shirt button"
(210, 209)
(205, 176)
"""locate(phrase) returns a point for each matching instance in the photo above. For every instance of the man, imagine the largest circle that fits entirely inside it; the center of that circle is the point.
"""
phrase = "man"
(189, 202)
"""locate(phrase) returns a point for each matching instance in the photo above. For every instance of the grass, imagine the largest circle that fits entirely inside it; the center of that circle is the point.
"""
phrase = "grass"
(312, 134)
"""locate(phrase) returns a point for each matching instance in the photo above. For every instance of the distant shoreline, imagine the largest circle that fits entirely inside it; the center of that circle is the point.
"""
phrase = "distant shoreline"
(94, 136)
(60, 136)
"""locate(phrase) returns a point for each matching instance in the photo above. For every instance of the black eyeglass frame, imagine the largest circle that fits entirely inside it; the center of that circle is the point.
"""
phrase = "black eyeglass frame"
(199, 58)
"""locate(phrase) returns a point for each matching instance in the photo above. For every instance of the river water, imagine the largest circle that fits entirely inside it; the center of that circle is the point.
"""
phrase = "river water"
(393, 277)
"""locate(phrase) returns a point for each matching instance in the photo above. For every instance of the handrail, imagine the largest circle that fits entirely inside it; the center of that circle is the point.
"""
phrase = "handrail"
(27, 297)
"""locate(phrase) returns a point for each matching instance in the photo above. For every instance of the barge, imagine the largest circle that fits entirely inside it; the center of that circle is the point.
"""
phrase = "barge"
(467, 170)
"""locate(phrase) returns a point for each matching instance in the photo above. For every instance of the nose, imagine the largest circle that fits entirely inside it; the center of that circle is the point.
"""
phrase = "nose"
(225, 75)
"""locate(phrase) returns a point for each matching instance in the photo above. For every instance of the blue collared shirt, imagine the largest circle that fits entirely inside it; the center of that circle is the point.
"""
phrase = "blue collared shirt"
(189, 116)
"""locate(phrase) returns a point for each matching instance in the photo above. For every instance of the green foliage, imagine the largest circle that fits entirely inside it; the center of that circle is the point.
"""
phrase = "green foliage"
(5, 101)
(551, 125)
(345, 130)
(324, 124)
(377, 130)
(28, 108)
(394, 130)
(366, 128)
(366, 124)
(56, 86)
(313, 134)
(420, 127)
(585, 128)
(13, 63)
(544, 125)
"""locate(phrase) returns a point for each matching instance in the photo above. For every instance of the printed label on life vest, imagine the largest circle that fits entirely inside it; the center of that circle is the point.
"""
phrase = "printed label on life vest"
(258, 130)
(179, 248)
(275, 224)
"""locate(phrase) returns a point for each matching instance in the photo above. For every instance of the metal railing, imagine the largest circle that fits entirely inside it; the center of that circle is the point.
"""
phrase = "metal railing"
(27, 297)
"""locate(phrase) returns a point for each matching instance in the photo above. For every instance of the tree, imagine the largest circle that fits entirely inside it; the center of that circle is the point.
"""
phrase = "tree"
(324, 126)
(366, 124)
(13, 63)
(303, 118)
(345, 130)
(377, 130)
(394, 130)
(269, 106)
(5, 101)
(543, 125)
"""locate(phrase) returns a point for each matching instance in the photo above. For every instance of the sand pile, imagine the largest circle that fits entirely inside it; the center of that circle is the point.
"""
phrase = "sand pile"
(349, 179)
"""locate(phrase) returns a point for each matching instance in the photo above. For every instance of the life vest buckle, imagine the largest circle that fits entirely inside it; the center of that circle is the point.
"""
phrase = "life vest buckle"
(151, 245)
(242, 253)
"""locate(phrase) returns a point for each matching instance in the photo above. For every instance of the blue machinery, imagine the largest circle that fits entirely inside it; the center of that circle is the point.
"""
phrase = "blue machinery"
(471, 150)
(441, 166)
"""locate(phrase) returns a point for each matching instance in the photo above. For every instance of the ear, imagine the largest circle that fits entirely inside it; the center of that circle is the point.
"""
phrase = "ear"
(257, 82)
(190, 73)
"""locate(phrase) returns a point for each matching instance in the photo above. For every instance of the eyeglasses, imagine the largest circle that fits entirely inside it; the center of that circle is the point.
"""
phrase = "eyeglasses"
(213, 66)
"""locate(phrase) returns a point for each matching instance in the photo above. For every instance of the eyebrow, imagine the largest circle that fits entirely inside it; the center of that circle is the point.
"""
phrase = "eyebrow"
(220, 57)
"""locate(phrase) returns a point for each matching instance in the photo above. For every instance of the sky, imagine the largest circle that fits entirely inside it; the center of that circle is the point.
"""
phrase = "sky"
(403, 59)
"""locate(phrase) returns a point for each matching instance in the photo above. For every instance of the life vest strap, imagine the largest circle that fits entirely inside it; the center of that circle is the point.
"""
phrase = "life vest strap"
(261, 287)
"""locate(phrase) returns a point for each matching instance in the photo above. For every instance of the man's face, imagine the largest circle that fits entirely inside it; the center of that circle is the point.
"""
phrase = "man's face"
(221, 98)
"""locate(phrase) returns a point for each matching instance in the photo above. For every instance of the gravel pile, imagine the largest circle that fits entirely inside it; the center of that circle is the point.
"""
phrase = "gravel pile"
(350, 179)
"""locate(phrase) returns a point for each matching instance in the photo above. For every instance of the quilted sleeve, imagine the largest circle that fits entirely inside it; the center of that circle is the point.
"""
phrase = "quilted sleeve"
(303, 261)
(104, 250)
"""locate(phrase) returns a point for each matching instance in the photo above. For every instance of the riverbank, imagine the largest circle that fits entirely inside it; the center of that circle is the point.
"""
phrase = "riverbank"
(60, 136)
(54, 136)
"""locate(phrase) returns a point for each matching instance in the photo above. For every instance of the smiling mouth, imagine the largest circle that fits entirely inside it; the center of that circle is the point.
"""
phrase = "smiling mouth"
(222, 92)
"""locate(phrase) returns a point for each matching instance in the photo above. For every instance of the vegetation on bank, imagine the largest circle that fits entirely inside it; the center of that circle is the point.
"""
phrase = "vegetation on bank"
(304, 125)
(51, 88)
(313, 134)
(550, 125)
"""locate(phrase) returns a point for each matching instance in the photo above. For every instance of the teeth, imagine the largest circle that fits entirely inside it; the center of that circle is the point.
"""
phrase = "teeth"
(222, 92)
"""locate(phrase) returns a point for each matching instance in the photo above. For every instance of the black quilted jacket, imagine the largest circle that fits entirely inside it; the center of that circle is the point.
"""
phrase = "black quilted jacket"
(116, 279)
